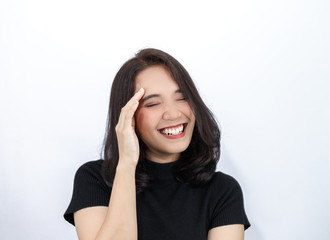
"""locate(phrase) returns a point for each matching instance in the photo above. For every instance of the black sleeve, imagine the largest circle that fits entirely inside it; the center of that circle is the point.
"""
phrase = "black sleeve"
(89, 189)
(228, 203)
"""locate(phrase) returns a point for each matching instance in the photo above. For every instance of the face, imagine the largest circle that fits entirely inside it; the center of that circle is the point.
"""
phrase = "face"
(164, 119)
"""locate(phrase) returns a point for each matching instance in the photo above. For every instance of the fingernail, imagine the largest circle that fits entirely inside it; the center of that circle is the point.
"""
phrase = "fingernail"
(140, 90)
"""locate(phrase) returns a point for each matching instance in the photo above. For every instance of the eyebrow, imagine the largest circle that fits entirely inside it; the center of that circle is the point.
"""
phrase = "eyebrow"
(150, 96)
(157, 95)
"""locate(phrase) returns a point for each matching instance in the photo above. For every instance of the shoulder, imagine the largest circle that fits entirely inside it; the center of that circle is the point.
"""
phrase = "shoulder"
(227, 201)
(90, 175)
(225, 189)
(222, 180)
(89, 189)
(91, 169)
(91, 166)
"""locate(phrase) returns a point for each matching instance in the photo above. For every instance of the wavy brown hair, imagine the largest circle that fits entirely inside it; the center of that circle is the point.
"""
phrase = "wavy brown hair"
(197, 163)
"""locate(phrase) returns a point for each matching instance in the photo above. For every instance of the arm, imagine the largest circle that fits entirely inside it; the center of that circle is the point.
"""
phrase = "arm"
(228, 232)
(119, 220)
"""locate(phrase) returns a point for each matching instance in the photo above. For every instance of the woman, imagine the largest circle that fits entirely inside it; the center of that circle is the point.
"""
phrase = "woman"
(161, 149)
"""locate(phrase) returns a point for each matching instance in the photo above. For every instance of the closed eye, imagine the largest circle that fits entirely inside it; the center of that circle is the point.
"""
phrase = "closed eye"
(181, 99)
(151, 105)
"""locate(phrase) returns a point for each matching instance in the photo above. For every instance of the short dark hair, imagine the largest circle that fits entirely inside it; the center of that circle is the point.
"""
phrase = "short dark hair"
(197, 164)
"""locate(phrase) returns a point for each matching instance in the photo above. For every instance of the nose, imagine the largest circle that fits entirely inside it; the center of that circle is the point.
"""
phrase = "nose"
(171, 113)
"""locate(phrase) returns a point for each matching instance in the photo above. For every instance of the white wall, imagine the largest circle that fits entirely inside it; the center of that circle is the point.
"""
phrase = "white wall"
(261, 66)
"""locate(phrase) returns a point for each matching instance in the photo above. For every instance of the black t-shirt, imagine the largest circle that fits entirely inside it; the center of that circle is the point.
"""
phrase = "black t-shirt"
(168, 209)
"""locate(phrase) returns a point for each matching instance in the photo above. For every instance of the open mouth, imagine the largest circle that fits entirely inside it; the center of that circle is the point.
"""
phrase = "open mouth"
(174, 130)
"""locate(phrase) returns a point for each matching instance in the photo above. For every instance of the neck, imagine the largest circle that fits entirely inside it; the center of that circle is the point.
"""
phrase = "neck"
(161, 171)
(162, 158)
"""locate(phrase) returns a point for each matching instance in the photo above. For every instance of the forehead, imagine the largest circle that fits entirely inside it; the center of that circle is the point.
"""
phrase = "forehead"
(155, 79)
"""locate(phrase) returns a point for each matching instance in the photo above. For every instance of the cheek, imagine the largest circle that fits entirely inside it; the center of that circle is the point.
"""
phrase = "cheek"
(188, 112)
(143, 120)
(139, 119)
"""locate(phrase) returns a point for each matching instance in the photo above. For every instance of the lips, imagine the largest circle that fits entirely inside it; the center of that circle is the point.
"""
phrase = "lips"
(173, 130)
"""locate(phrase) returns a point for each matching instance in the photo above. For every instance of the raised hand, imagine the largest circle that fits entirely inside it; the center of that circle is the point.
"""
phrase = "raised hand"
(128, 143)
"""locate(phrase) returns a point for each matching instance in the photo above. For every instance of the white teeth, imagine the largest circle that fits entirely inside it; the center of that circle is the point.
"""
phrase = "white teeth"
(172, 131)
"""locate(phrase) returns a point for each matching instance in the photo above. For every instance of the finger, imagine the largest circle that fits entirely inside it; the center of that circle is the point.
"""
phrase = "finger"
(134, 100)
(129, 109)
(138, 95)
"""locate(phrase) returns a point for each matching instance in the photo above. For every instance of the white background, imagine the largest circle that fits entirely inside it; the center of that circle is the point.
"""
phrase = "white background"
(263, 67)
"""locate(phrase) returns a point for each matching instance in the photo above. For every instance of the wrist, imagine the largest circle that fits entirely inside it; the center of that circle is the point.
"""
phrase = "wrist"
(126, 167)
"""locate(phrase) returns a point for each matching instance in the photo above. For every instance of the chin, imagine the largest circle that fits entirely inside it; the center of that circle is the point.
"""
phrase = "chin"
(176, 149)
